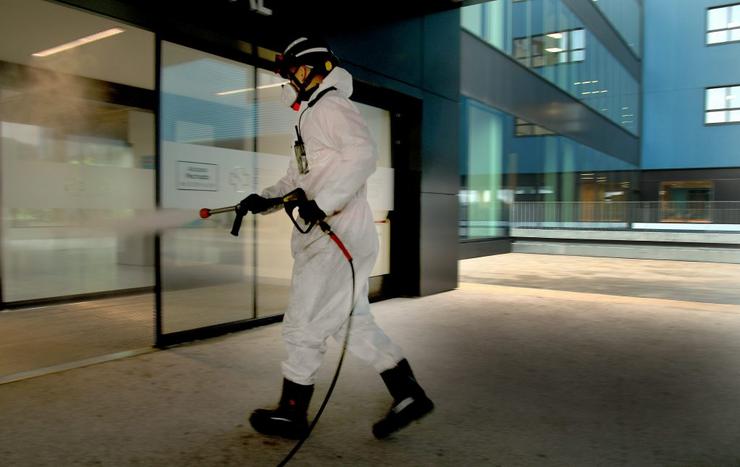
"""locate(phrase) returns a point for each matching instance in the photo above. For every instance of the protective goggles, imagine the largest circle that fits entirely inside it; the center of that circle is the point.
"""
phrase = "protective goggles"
(283, 65)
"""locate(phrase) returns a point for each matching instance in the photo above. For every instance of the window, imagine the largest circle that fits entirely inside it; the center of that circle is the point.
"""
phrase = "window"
(686, 201)
(722, 105)
(723, 24)
(551, 48)
(525, 128)
(77, 142)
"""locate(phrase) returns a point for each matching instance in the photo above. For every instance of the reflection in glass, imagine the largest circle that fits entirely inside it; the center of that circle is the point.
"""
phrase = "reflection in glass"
(206, 160)
(550, 49)
(686, 201)
(548, 37)
(481, 174)
(77, 155)
(505, 161)
(625, 16)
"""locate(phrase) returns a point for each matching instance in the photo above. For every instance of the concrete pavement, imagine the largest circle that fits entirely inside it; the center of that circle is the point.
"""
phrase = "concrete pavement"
(521, 376)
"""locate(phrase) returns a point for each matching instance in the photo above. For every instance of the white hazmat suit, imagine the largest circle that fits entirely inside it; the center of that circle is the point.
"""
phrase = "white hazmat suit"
(341, 156)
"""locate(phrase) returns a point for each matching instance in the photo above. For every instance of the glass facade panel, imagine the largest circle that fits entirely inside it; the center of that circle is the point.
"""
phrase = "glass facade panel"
(77, 155)
(274, 138)
(626, 17)
(480, 194)
(550, 49)
(505, 159)
(547, 37)
(207, 160)
(472, 19)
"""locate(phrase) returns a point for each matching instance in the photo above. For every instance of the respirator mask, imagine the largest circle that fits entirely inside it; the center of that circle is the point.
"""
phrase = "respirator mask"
(289, 97)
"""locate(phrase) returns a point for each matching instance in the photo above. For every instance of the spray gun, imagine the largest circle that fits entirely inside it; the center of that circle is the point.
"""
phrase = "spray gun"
(289, 202)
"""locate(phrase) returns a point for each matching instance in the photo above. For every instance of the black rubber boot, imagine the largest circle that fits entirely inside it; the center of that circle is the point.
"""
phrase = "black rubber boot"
(409, 401)
(289, 419)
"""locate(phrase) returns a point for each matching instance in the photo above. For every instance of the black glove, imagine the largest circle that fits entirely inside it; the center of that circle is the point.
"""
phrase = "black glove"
(254, 203)
(310, 212)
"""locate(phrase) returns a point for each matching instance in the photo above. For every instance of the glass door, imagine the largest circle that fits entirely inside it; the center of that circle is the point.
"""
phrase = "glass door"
(224, 133)
(207, 159)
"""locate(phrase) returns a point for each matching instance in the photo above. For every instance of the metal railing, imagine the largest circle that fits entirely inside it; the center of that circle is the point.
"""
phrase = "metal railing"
(626, 215)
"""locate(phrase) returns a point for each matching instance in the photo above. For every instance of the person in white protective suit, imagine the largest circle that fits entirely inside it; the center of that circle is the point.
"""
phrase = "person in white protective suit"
(335, 155)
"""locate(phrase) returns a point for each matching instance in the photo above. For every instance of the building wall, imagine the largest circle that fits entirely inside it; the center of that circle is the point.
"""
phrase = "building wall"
(678, 66)
(420, 57)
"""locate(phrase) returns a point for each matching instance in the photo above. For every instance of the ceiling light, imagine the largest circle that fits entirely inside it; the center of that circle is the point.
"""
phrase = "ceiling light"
(237, 91)
(78, 42)
(553, 50)
(556, 35)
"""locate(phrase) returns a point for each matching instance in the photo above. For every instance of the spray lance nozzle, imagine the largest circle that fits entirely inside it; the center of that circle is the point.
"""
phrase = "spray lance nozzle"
(240, 209)
(289, 202)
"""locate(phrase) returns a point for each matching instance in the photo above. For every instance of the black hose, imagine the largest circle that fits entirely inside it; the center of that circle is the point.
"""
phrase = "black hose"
(290, 202)
(300, 442)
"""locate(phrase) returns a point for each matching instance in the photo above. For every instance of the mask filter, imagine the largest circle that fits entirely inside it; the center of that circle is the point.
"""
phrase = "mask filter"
(300, 153)
(289, 97)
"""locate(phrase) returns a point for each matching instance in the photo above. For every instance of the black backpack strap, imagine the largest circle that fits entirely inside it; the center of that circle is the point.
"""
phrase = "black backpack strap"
(320, 95)
(311, 104)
